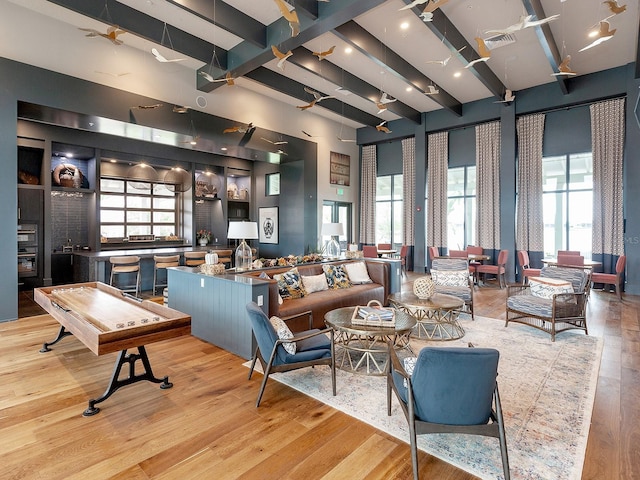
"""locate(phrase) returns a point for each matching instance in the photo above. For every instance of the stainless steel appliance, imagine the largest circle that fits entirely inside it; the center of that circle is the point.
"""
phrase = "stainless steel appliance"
(27, 250)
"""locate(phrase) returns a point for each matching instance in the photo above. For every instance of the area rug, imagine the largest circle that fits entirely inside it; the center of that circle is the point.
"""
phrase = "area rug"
(547, 391)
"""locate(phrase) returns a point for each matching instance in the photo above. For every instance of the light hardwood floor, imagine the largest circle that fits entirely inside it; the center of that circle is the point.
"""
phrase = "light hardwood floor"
(207, 426)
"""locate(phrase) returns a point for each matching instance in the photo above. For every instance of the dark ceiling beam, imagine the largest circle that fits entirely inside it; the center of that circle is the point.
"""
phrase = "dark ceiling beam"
(336, 75)
(245, 57)
(224, 16)
(115, 13)
(295, 89)
(547, 42)
(442, 27)
(374, 49)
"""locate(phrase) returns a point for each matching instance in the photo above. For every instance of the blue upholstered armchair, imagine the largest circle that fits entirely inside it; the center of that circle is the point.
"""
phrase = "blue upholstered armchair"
(549, 307)
(312, 347)
(451, 276)
(451, 390)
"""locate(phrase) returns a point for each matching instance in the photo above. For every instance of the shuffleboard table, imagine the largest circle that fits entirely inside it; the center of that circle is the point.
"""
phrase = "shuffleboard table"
(107, 320)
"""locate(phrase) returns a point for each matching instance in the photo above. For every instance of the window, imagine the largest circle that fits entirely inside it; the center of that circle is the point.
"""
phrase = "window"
(272, 184)
(136, 208)
(389, 213)
(567, 203)
(461, 207)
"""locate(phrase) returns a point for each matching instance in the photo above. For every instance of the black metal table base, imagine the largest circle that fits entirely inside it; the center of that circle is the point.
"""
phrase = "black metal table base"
(123, 359)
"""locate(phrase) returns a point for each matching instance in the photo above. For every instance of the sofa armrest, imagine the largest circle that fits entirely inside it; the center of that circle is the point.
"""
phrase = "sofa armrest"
(379, 272)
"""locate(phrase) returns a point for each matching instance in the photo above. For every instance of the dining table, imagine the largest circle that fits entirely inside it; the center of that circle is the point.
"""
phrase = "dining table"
(587, 263)
(386, 252)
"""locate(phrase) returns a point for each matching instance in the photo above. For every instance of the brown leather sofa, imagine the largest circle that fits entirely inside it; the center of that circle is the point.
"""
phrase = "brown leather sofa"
(319, 303)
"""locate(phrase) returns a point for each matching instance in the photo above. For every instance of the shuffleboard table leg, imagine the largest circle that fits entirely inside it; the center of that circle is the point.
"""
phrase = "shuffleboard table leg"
(129, 359)
(61, 334)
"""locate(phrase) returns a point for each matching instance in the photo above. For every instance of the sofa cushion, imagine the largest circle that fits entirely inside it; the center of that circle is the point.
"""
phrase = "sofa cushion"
(315, 283)
(357, 272)
(290, 284)
(284, 333)
(336, 276)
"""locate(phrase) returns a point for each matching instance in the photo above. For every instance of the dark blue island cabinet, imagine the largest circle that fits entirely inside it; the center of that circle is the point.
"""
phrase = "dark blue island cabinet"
(217, 305)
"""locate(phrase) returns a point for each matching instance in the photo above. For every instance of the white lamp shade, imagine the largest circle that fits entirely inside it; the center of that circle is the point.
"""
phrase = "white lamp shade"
(330, 229)
(243, 230)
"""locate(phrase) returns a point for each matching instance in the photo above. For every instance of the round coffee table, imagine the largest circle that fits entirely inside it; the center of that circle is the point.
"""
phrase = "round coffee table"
(436, 317)
(363, 348)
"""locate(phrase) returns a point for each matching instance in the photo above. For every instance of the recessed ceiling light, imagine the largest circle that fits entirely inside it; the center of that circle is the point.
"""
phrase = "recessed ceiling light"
(593, 33)
(68, 155)
(224, 149)
(408, 89)
(457, 74)
(348, 50)
(404, 25)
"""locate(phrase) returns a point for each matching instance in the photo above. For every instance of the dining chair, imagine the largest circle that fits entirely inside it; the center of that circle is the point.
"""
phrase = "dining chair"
(452, 390)
(370, 251)
(568, 252)
(616, 279)
(433, 252)
(384, 246)
(525, 269)
(458, 253)
(499, 269)
(473, 250)
(577, 260)
(404, 250)
(311, 347)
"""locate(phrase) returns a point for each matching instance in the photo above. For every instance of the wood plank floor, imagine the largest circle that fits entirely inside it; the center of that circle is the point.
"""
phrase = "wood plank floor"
(208, 427)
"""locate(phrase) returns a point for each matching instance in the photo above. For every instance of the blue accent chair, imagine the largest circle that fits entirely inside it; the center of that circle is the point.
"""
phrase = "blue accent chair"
(313, 348)
(451, 390)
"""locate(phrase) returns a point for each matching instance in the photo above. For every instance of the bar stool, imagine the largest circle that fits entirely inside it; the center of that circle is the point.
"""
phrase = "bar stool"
(193, 259)
(163, 262)
(125, 266)
(224, 256)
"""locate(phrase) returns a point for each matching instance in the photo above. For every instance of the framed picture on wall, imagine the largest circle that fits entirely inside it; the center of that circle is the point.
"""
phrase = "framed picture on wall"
(339, 169)
(268, 224)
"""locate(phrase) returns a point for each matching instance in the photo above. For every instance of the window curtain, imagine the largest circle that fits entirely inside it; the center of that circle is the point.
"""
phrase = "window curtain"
(408, 189)
(529, 220)
(437, 164)
(488, 185)
(368, 196)
(607, 145)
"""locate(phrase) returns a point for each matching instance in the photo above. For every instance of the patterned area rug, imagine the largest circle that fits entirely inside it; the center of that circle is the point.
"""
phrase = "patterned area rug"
(547, 391)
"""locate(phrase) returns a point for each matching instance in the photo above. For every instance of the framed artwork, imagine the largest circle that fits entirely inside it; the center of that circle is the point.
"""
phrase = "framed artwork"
(268, 224)
(272, 184)
(339, 169)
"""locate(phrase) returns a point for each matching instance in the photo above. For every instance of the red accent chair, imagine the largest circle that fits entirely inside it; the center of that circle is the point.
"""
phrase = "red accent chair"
(458, 253)
(525, 269)
(404, 249)
(433, 252)
(616, 279)
(370, 251)
(384, 246)
(572, 260)
(568, 252)
(472, 250)
(499, 269)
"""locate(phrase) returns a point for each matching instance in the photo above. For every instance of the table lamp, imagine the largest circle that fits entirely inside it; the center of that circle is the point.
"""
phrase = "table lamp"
(333, 230)
(243, 231)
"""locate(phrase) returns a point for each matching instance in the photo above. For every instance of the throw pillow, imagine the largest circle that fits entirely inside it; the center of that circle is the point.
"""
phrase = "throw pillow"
(409, 365)
(315, 283)
(336, 276)
(284, 333)
(290, 284)
(357, 272)
(264, 276)
(548, 287)
(450, 278)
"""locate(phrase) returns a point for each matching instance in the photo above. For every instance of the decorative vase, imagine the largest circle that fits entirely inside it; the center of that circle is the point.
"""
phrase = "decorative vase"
(424, 287)
(203, 242)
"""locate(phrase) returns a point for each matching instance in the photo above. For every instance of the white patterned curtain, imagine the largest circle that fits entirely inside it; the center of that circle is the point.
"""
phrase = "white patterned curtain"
(408, 189)
(607, 144)
(368, 196)
(437, 169)
(529, 220)
(488, 185)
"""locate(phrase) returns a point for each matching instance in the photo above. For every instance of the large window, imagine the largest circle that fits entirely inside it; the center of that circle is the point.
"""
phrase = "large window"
(136, 208)
(461, 205)
(567, 203)
(389, 209)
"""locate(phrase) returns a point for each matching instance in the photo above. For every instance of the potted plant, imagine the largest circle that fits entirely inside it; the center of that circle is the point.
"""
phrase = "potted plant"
(204, 237)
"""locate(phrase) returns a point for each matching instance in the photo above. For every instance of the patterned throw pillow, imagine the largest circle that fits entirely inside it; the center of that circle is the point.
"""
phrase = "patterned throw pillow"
(548, 287)
(358, 273)
(315, 283)
(336, 276)
(290, 284)
(450, 278)
(284, 333)
(409, 366)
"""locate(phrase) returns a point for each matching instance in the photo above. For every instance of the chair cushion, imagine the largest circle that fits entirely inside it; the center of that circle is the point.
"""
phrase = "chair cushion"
(459, 278)
(463, 293)
(577, 276)
(284, 333)
(548, 287)
(315, 283)
(604, 278)
(530, 304)
(336, 276)
(319, 342)
(357, 272)
(290, 284)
